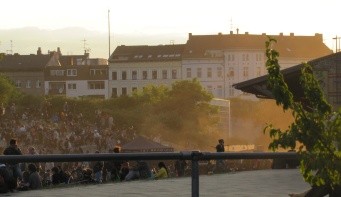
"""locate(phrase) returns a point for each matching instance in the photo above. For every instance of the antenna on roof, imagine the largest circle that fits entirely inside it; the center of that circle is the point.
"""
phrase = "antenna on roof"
(86, 49)
(231, 24)
(109, 30)
(337, 39)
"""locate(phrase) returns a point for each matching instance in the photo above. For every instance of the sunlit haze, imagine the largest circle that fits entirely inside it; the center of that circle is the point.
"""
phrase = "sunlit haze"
(152, 22)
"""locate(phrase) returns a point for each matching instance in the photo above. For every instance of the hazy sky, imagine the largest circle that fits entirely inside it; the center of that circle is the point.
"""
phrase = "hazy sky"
(177, 17)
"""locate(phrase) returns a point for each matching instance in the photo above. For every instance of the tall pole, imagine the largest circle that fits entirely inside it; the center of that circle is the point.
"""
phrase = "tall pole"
(109, 30)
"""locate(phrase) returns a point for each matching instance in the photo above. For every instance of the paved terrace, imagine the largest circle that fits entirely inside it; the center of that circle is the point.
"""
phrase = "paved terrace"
(248, 183)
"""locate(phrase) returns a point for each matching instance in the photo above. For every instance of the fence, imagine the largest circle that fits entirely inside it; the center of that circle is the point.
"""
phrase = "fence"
(194, 156)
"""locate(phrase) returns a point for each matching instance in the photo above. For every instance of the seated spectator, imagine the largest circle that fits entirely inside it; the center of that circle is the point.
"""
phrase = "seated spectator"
(124, 170)
(23, 186)
(163, 172)
(144, 170)
(180, 167)
(34, 180)
(133, 173)
(59, 176)
(97, 169)
(7, 181)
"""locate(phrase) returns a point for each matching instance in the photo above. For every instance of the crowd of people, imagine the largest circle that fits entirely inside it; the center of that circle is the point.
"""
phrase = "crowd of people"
(38, 131)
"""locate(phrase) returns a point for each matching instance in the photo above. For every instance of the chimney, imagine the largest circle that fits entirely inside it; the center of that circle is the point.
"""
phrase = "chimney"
(58, 51)
(263, 34)
(231, 32)
(292, 34)
(319, 37)
(281, 34)
(237, 31)
(219, 34)
(246, 33)
(39, 51)
(189, 35)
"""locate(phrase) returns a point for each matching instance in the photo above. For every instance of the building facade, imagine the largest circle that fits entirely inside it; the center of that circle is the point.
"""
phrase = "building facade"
(217, 61)
(132, 68)
(327, 70)
(27, 71)
(221, 60)
(77, 77)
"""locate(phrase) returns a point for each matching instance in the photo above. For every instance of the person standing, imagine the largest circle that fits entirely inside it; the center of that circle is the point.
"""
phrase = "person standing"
(220, 147)
(220, 164)
(13, 149)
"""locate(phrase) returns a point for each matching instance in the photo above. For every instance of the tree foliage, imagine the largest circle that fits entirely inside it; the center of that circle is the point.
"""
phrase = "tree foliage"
(315, 131)
(8, 91)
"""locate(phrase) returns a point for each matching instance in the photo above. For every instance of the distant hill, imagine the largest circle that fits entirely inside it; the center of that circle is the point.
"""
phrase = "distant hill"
(70, 40)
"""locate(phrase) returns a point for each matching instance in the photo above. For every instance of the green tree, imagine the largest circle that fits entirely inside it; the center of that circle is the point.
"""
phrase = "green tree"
(8, 91)
(315, 129)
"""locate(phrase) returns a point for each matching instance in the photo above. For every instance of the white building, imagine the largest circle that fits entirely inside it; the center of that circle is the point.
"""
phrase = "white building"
(221, 60)
(77, 76)
(217, 61)
(134, 67)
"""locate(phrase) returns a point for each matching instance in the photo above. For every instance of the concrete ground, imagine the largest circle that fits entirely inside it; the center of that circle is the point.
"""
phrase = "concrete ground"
(248, 183)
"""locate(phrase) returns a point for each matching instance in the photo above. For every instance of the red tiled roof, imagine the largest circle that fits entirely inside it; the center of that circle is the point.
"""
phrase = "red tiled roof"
(308, 47)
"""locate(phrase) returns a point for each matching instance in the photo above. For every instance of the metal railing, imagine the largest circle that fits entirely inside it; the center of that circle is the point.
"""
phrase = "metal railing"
(194, 156)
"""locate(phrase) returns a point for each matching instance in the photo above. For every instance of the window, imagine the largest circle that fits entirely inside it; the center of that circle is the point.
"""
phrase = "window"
(79, 61)
(164, 74)
(220, 72)
(124, 91)
(259, 57)
(245, 71)
(57, 72)
(98, 72)
(28, 84)
(124, 75)
(220, 91)
(144, 74)
(199, 72)
(38, 84)
(18, 84)
(114, 75)
(231, 91)
(259, 71)
(134, 89)
(71, 72)
(114, 92)
(71, 86)
(96, 85)
(134, 75)
(209, 72)
(154, 74)
(188, 72)
(230, 73)
(245, 57)
(174, 74)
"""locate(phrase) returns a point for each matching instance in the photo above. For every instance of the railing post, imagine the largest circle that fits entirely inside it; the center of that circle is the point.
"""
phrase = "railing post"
(195, 173)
